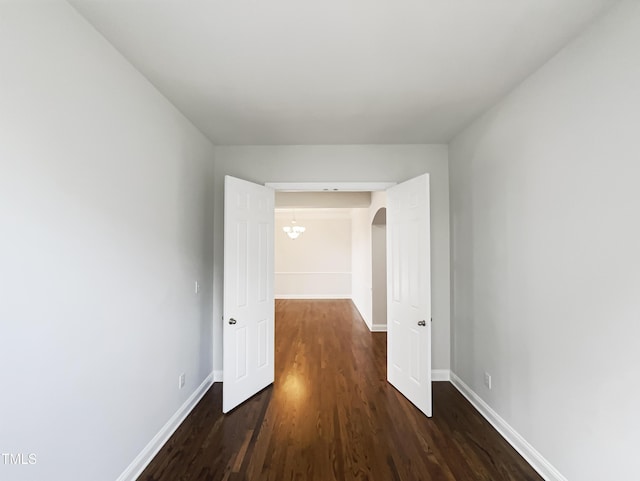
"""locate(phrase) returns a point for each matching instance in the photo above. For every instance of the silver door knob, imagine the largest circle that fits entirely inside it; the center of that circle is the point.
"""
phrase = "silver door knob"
(422, 323)
(232, 321)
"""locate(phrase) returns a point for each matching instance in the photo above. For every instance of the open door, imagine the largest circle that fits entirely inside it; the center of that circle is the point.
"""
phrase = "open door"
(248, 323)
(409, 291)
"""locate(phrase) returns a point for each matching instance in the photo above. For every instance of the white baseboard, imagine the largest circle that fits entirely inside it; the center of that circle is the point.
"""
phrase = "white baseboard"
(218, 376)
(526, 450)
(313, 296)
(379, 328)
(440, 375)
(144, 458)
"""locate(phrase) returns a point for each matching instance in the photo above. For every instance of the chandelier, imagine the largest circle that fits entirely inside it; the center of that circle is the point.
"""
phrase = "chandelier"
(294, 230)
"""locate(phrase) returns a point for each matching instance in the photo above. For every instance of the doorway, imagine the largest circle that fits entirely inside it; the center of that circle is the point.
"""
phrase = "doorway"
(359, 202)
(408, 279)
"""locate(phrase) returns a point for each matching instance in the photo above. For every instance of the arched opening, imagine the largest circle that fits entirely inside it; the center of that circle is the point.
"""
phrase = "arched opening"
(379, 270)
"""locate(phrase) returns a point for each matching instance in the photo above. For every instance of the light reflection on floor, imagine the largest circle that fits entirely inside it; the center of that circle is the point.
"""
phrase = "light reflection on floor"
(294, 387)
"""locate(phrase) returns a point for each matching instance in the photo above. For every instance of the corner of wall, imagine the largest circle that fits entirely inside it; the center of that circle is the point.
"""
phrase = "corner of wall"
(526, 450)
(137, 466)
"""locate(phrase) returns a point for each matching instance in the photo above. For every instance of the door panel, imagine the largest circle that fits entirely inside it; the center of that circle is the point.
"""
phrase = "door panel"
(409, 298)
(248, 332)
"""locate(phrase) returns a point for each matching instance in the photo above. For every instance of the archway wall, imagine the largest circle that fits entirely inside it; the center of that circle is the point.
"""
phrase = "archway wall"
(379, 270)
(362, 278)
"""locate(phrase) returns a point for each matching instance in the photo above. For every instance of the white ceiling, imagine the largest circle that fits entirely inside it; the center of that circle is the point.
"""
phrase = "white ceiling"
(336, 71)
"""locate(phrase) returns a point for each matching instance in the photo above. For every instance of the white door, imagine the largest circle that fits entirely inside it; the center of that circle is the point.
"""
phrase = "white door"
(409, 291)
(248, 324)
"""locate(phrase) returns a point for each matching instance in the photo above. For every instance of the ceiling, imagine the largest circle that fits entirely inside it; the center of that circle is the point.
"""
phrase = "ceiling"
(336, 71)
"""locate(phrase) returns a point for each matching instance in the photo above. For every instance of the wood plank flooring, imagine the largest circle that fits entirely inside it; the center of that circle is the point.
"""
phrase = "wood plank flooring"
(332, 416)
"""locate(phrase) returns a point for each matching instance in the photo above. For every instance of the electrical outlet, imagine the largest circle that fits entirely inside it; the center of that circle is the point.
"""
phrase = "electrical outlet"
(487, 380)
(197, 287)
(181, 379)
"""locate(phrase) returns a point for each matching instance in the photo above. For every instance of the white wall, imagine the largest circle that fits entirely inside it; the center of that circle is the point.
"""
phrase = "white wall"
(379, 275)
(361, 264)
(105, 223)
(316, 265)
(323, 200)
(362, 252)
(546, 264)
(345, 163)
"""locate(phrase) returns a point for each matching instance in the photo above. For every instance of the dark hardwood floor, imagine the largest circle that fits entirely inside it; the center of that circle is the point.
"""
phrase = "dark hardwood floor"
(331, 415)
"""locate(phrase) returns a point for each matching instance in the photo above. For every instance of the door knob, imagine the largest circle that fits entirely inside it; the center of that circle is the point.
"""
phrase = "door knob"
(422, 323)
(232, 321)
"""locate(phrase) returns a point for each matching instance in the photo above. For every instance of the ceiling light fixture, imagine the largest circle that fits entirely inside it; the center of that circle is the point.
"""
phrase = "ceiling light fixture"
(294, 230)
